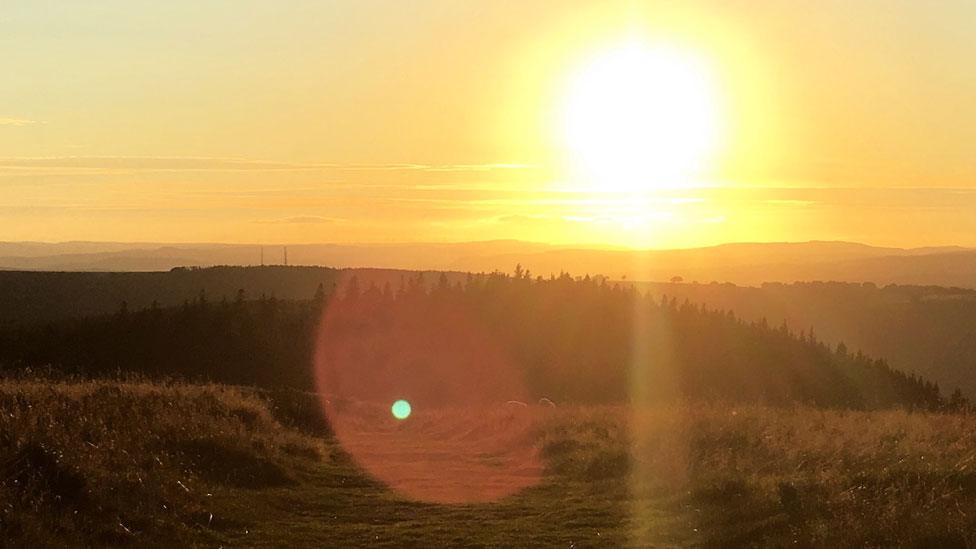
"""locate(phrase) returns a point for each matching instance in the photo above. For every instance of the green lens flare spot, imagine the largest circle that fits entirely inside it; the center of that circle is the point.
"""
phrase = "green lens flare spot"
(401, 409)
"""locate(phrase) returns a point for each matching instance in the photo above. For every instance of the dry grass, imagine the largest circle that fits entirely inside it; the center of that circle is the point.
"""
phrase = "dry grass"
(757, 475)
(102, 463)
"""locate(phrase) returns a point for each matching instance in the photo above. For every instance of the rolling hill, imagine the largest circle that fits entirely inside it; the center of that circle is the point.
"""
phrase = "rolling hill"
(741, 263)
(494, 338)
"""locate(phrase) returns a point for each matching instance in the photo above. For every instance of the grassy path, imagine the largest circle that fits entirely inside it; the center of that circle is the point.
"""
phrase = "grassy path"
(337, 506)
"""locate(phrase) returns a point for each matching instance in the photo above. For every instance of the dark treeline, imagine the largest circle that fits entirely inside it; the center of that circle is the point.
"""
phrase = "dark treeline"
(572, 340)
(263, 342)
(28, 297)
(929, 330)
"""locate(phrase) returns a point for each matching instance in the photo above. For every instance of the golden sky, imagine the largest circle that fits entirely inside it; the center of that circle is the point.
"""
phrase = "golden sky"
(363, 121)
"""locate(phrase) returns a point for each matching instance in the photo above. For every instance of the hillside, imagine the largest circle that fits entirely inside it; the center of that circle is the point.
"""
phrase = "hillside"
(216, 467)
(28, 297)
(110, 463)
(569, 340)
(926, 330)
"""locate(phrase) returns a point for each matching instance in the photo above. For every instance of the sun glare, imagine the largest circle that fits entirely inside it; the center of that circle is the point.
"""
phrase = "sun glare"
(640, 117)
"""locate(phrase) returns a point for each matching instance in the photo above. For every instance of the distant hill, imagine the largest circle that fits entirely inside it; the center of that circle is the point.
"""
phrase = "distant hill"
(925, 329)
(114, 256)
(753, 264)
(740, 263)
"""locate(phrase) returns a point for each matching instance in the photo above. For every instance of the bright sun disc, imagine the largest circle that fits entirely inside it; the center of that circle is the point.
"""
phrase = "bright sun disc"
(640, 117)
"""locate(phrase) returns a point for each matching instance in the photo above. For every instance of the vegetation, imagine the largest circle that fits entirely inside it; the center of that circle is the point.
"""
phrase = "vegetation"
(571, 340)
(922, 329)
(929, 330)
(33, 297)
(96, 463)
(38, 297)
(676, 425)
(105, 463)
(718, 475)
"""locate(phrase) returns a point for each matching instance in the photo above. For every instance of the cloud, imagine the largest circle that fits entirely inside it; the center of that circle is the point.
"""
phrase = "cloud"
(148, 163)
(790, 202)
(433, 167)
(205, 163)
(477, 167)
(18, 122)
(301, 220)
(523, 219)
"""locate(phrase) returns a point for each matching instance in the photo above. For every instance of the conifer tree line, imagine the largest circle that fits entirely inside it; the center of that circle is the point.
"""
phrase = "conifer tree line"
(572, 339)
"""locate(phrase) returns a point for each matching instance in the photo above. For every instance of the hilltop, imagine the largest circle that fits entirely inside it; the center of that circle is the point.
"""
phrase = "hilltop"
(740, 263)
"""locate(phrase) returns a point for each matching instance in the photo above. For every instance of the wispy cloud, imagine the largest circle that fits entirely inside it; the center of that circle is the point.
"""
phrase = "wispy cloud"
(203, 163)
(790, 202)
(492, 166)
(521, 218)
(477, 167)
(300, 220)
(147, 163)
(19, 122)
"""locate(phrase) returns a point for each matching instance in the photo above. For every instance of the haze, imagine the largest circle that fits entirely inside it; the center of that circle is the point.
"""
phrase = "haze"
(258, 122)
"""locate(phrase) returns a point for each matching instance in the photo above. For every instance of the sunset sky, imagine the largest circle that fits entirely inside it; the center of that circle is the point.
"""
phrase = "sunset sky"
(637, 124)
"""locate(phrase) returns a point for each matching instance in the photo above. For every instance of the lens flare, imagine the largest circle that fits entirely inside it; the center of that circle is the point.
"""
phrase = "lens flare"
(376, 348)
(401, 409)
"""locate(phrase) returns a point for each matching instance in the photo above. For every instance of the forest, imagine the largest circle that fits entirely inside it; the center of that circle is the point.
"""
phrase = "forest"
(929, 330)
(562, 338)
(563, 410)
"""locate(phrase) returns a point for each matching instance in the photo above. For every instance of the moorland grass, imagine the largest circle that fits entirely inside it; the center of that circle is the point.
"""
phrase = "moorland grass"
(107, 463)
(124, 463)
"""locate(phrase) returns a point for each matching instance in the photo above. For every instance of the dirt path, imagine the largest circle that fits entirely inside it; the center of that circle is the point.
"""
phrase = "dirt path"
(449, 480)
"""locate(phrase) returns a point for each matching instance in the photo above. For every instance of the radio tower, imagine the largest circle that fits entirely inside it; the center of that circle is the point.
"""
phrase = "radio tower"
(262, 256)
(286, 255)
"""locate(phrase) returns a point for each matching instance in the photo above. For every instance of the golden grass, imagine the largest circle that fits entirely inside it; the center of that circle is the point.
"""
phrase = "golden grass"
(96, 463)
(103, 462)
(769, 475)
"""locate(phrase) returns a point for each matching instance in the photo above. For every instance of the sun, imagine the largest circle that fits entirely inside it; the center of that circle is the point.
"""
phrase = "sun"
(639, 116)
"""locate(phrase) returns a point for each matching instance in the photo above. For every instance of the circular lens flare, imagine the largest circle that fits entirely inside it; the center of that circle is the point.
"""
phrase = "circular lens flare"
(401, 409)
(465, 443)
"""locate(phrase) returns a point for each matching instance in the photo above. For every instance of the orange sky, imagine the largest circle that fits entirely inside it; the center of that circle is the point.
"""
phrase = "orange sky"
(441, 121)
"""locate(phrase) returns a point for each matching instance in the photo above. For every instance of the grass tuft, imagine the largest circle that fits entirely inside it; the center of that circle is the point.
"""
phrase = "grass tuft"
(112, 462)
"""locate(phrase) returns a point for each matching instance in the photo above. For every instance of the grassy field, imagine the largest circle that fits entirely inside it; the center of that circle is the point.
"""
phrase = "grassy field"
(109, 463)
